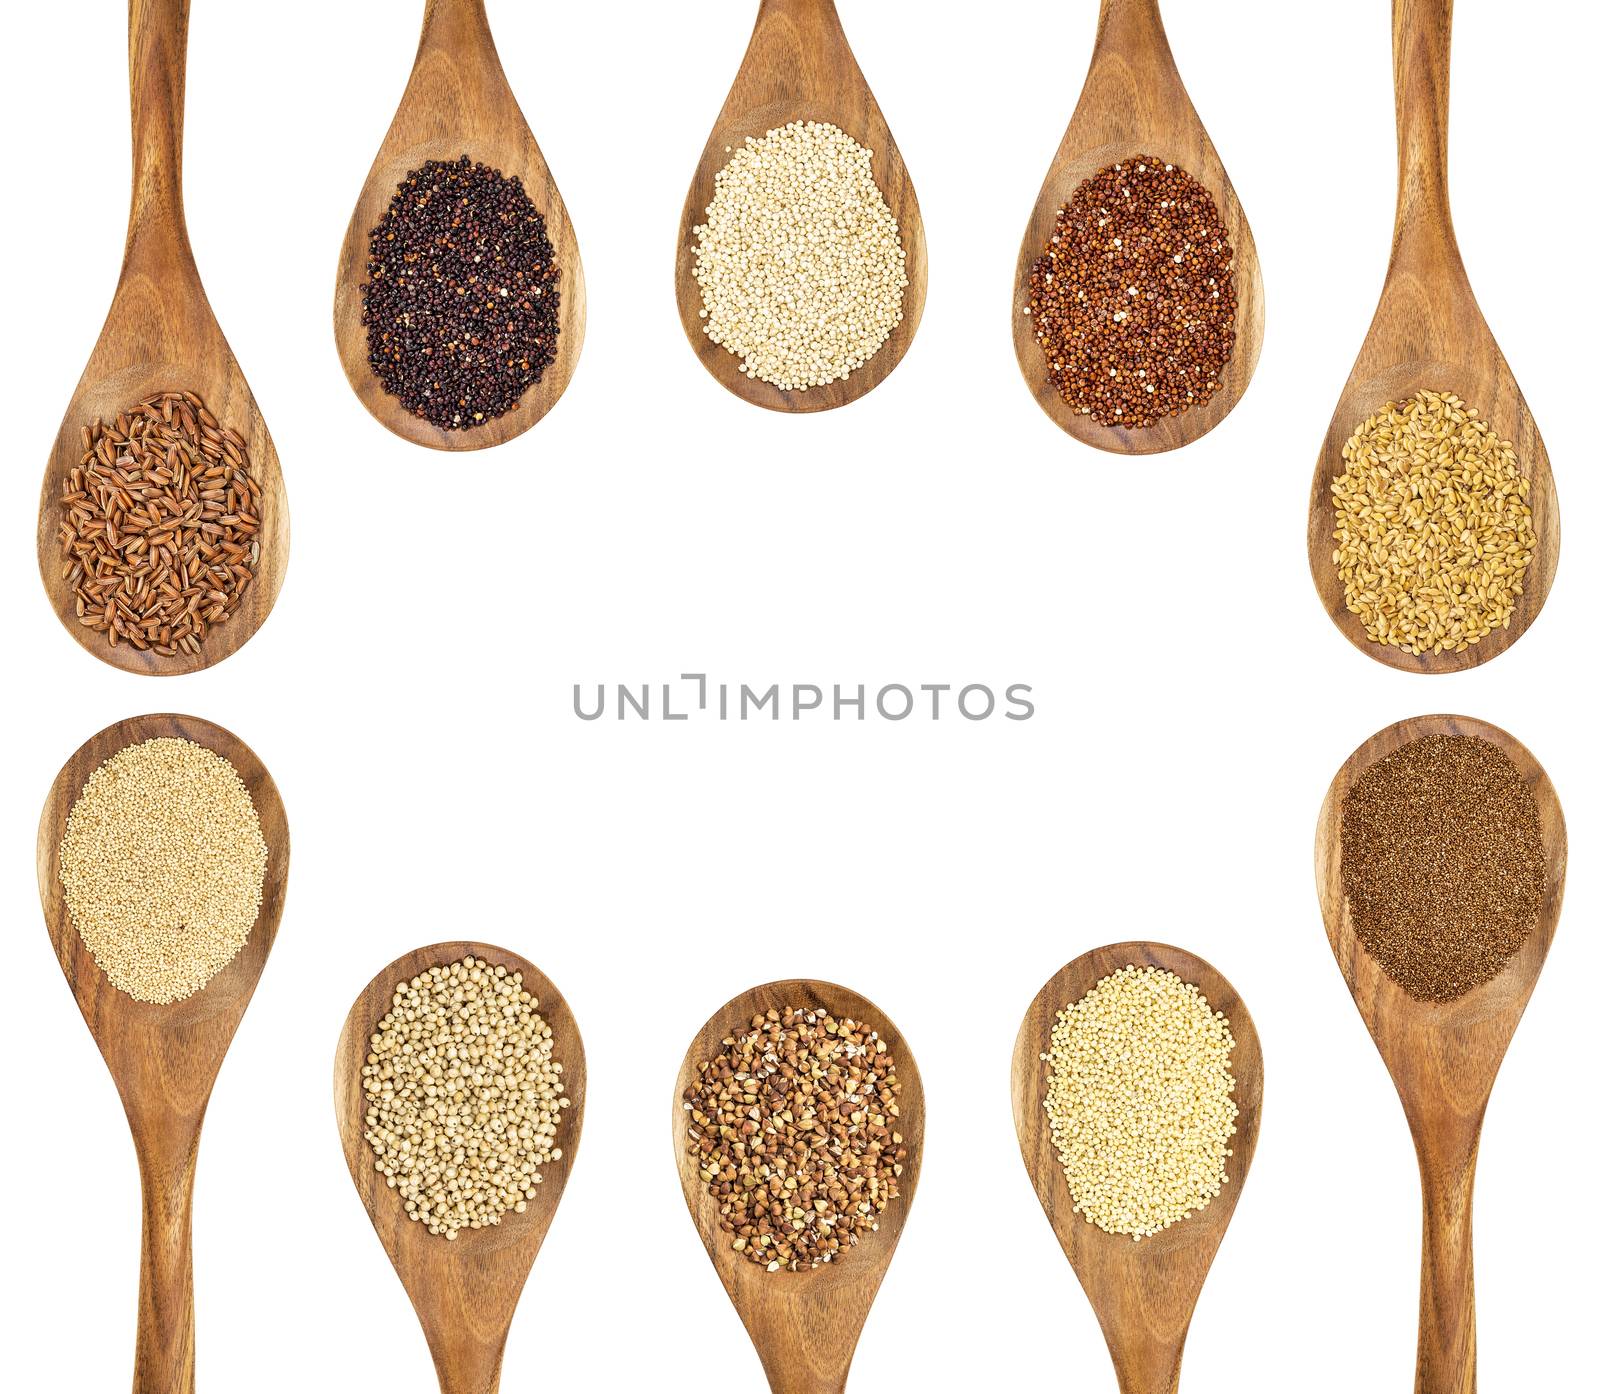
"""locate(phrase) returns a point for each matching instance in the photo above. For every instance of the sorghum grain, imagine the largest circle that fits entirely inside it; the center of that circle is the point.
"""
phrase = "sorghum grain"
(1442, 863)
(799, 261)
(1140, 1101)
(159, 524)
(1432, 530)
(462, 295)
(464, 1096)
(794, 1126)
(161, 865)
(1133, 300)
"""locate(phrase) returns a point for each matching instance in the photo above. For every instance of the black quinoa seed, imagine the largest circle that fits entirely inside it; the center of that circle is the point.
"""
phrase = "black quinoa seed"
(462, 294)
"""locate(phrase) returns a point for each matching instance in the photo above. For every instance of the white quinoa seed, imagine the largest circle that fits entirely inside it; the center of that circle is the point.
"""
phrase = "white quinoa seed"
(799, 260)
(162, 864)
(464, 1096)
(1140, 1101)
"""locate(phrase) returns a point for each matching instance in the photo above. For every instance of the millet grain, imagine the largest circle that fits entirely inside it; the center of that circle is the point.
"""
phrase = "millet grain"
(1139, 1099)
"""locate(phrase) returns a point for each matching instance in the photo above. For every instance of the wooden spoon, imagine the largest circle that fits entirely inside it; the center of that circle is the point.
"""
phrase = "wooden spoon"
(804, 1326)
(464, 1290)
(457, 103)
(1143, 1292)
(1134, 103)
(1443, 1056)
(1428, 332)
(161, 336)
(164, 1059)
(799, 67)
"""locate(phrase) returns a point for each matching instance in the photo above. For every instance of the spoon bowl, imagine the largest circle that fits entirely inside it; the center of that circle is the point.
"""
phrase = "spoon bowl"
(458, 102)
(804, 1326)
(1134, 103)
(1429, 334)
(161, 336)
(163, 1058)
(465, 1290)
(799, 67)
(1442, 1056)
(1144, 1292)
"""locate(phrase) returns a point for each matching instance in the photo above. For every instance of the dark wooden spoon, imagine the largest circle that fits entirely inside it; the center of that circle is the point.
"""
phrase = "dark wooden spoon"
(1144, 1293)
(1134, 103)
(161, 336)
(799, 67)
(1428, 333)
(804, 1326)
(458, 102)
(465, 1290)
(164, 1059)
(1443, 1056)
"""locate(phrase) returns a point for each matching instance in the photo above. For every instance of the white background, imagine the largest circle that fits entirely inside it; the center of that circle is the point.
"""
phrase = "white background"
(412, 696)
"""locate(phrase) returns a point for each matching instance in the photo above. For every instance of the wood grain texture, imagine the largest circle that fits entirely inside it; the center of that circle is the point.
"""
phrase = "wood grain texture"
(164, 1059)
(1143, 1293)
(458, 102)
(804, 1326)
(1443, 1056)
(161, 335)
(1134, 103)
(799, 67)
(465, 1290)
(1428, 333)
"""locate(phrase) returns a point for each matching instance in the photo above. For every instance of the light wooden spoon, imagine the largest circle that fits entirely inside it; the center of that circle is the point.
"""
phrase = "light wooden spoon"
(804, 1326)
(1143, 1293)
(458, 102)
(1134, 103)
(1428, 332)
(160, 336)
(164, 1059)
(465, 1290)
(1443, 1056)
(799, 67)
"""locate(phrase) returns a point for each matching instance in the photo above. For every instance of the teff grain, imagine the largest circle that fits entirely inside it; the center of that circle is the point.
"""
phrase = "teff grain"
(794, 1125)
(1442, 863)
(1432, 530)
(464, 1096)
(799, 261)
(1140, 1102)
(162, 865)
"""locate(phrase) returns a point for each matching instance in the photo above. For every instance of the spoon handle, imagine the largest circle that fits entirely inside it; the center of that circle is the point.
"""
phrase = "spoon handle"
(1133, 28)
(803, 13)
(796, 47)
(164, 1354)
(158, 44)
(465, 1365)
(1147, 1365)
(1447, 1330)
(455, 26)
(804, 1381)
(1424, 235)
